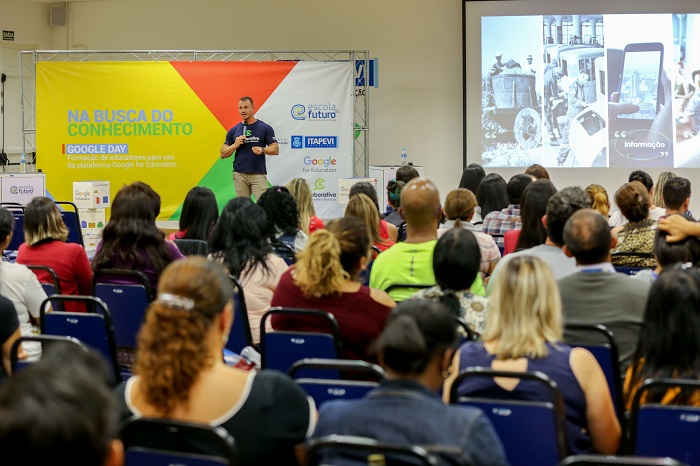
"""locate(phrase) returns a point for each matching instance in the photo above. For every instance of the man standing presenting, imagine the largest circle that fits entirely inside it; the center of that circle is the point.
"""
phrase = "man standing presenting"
(251, 140)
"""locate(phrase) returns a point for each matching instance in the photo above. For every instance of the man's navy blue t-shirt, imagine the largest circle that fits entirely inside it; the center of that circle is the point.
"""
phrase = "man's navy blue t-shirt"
(260, 134)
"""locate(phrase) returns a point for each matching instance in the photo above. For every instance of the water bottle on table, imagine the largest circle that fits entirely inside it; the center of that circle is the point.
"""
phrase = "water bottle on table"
(23, 164)
(404, 158)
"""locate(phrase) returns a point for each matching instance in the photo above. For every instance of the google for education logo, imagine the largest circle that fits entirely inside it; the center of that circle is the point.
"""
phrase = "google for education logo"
(320, 184)
(298, 111)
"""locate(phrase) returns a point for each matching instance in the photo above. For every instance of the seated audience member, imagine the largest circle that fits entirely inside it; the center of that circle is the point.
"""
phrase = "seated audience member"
(325, 278)
(393, 196)
(657, 198)
(240, 242)
(534, 206)
(524, 333)
(596, 294)
(618, 219)
(456, 264)
(460, 207)
(406, 173)
(538, 171)
(9, 333)
(599, 199)
(20, 286)
(45, 237)
(666, 254)
(131, 240)
(199, 215)
(498, 223)
(61, 410)
(677, 197)
(301, 192)
(560, 207)
(415, 350)
(387, 231)
(282, 213)
(471, 178)
(491, 196)
(636, 236)
(180, 374)
(669, 343)
(361, 207)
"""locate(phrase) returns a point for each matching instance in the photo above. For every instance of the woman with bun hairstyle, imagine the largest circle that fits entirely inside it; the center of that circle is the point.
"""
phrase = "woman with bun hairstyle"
(325, 278)
(180, 373)
(415, 350)
(636, 236)
(599, 199)
(393, 196)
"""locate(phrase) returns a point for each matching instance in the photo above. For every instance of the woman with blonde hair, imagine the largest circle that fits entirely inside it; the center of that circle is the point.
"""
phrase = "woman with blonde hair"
(657, 197)
(325, 278)
(599, 199)
(301, 192)
(180, 373)
(361, 206)
(45, 237)
(524, 333)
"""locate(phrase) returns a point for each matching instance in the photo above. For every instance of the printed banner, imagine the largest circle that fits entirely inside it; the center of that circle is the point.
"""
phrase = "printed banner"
(164, 122)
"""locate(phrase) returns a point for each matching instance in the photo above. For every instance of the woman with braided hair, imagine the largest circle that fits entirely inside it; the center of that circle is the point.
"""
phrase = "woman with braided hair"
(325, 278)
(180, 373)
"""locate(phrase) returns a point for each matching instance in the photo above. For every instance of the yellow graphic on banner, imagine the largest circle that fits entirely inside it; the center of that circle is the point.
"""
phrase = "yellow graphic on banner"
(122, 122)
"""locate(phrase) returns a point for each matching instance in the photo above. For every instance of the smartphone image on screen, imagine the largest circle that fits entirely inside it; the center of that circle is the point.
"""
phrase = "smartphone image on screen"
(640, 81)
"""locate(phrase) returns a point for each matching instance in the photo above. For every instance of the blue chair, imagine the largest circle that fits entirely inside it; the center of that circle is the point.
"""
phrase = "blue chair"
(604, 460)
(72, 220)
(50, 288)
(94, 329)
(532, 432)
(18, 232)
(126, 302)
(665, 430)
(347, 449)
(282, 347)
(46, 342)
(284, 251)
(464, 331)
(166, 442)
(192, 247)
(326, 389)
(606, 354)
(240, 335)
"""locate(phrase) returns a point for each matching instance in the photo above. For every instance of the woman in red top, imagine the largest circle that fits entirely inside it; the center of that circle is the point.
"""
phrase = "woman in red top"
(301, 192)
(45, 244)
(360, 206)
(325, 278)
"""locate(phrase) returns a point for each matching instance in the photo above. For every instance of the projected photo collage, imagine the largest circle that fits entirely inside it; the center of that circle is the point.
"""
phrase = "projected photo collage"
(590, 90)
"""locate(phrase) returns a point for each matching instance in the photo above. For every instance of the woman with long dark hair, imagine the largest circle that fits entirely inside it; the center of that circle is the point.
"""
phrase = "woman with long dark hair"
(471, 179)
(491, 194)
(283, 215)
(131, 240)
(199, 214)
(240, 242)
(669, 343)
(532, 208)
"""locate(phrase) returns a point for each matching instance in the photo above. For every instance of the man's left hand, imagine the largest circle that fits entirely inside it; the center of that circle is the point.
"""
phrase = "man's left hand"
(258, 150)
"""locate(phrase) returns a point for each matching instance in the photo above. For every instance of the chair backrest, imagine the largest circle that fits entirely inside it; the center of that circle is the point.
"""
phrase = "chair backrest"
(401, 233)
(334, 448)
(165, 442)
(46, 342)
(279, 349)
(639, 256)
(94, 329)
(50, 288)
(500, 244)
(240, 335)
(127, 302)
(326, 389)
(606, 354)
(665, 430)
(284, 251)
(18, 232)
(71, 218)
(605, 460)
(192, 247)
(532, 432)
(412, 287)
(629, 270)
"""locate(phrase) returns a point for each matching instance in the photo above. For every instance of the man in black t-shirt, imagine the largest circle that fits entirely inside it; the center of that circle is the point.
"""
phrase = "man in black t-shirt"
(251, 140)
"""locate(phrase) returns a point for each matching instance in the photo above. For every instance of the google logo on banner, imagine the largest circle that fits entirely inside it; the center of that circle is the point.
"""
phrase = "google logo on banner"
(323, 162)
(298, 111)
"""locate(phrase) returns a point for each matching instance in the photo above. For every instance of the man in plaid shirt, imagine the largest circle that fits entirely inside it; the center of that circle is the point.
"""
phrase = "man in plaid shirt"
(498, 223)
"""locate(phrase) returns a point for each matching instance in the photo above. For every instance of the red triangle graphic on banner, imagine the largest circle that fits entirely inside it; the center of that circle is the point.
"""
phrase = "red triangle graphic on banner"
(220, 84)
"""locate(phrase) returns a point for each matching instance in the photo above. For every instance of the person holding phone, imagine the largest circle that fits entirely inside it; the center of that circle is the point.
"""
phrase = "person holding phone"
(577, 102)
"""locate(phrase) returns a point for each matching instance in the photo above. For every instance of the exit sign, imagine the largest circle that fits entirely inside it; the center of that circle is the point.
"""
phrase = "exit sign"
(8, 35)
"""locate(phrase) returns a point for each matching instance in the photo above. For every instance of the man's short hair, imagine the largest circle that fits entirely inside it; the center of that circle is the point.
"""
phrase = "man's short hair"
(643, 177)
(686, 250)
(587, 235)
(560, 207)
(516, 186)
(675, 193)
(406, 173)
(249, 99)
